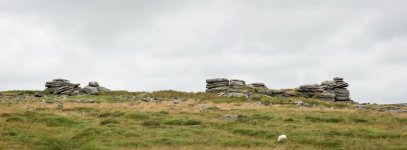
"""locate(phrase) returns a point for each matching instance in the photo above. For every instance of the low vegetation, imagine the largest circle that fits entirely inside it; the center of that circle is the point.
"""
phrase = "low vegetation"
(122, 120)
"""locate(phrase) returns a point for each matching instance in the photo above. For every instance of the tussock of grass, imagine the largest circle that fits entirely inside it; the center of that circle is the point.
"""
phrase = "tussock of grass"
(138, 116)
(109, 122)
(182, 121)
(324, 119)
(111, 114)
(150, 123)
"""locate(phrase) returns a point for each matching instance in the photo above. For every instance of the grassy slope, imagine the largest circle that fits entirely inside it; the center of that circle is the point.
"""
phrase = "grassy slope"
(116, 121)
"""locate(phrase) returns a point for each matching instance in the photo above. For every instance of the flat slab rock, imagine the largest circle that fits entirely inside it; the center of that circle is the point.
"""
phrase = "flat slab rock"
(217, 80)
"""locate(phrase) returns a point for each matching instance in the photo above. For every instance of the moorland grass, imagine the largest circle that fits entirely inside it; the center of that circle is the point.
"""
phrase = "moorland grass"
(113, 122)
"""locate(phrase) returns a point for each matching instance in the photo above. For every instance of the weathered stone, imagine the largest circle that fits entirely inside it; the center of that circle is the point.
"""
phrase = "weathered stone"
(103, 89)
(217, 80)
(91, 90)
(273, 92)
(39, 94)
(60, 106)
(341, 91)
(61, 86)
(217, 89)
(217, 84)
(94, 84)
(229, 117)
(236, 82)
(230, 95)
(326, 96)
(301, 103)
(259, 85)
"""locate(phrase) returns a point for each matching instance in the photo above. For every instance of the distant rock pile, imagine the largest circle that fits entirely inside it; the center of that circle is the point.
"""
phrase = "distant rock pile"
(335, 90)
(65, 87)
(94, 88)
(62, 86)
(329, 90)
(234, 87)
(217, 85)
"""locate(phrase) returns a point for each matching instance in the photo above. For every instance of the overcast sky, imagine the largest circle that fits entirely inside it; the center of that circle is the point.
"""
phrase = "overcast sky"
(146, 45)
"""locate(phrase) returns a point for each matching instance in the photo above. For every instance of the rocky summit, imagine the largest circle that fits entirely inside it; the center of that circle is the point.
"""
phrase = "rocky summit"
(62, 86)
(332, 90)
(65, 87)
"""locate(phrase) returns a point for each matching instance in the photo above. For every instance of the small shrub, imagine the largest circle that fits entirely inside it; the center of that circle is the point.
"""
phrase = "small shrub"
(402, 120)
(5, 115)
(360, 120)
(149, 123)
(164, 112)
(57, 121)
(261, 117)
(138, 116)
(14, 119)
(109, 121)
(10, 133)
(323, 119)
(243, 118)
(242, 143)
(289, 120)
(249, 132)
(212, 108)
(111, 114)
(184, 122)
(191, 122)
(89, 132)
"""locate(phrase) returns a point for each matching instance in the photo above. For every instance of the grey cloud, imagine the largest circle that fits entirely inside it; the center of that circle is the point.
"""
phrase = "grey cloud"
(155, 45)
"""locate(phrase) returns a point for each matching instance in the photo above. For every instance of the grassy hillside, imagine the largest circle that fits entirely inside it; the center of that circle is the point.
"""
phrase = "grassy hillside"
(178, 120)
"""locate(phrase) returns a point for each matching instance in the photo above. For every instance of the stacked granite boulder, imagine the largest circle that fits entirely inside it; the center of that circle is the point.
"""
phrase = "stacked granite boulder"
(340, 90)
(335, 90)
(217, 85)
(328, 90)
(309, 90)
(62, 86)
(94, 88)
(237, 86)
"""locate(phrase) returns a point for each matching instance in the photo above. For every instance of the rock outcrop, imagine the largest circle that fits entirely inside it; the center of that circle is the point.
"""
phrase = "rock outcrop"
(94, 88)
(335, 90)
(62, 86)
(217, 85)
(65, 87)
(309, 90)
(340, 90)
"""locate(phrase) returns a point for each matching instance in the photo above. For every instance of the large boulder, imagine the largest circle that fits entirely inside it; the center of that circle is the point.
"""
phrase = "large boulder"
(217, 85)
(93, 84)
(310, 90)
(238, 83)
(94, 88)
(62, 86)
(340, 90)
(91, 90)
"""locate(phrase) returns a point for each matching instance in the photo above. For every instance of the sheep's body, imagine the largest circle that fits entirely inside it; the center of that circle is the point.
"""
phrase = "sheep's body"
(282, 138)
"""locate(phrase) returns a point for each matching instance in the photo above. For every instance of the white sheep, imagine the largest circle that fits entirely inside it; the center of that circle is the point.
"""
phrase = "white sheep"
(282, 138)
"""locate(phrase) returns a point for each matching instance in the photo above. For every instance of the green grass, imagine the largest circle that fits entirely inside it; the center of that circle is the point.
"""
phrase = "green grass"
(108, 124)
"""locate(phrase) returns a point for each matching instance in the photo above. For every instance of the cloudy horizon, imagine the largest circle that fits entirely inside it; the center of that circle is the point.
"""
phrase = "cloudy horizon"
(149, 45)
